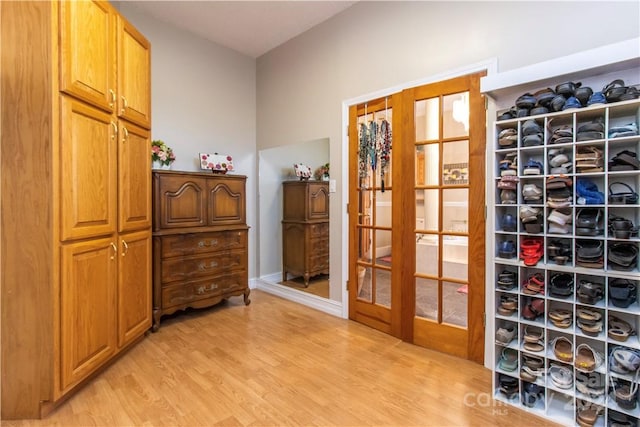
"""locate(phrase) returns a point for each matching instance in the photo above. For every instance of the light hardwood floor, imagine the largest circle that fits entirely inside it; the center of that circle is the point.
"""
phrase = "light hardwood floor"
(277, 363)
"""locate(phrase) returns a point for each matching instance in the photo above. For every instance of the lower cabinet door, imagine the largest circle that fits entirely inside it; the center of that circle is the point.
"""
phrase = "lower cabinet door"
(87, 308)
(134, 286)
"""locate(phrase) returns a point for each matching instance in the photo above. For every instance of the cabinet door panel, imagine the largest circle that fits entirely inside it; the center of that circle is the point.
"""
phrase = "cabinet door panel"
(179, 202)
(134, 286)
(134, 179)
(226, 201)
(88, 166)
(134, 71)
(87, 308)
(87, 52)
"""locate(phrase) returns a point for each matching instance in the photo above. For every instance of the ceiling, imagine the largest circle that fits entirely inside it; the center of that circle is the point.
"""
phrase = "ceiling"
(249, 27)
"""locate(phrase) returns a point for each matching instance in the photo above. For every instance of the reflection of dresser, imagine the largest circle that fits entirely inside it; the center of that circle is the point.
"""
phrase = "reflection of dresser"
(305, 229)
(199, 240)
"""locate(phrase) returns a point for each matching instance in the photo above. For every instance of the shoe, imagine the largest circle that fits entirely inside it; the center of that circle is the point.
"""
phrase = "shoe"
(509, 223)
(531, 127)
(629, 197)
(506, 249)
(589, 222)
(532, 167)
(506, 280)
(508, 197)
(624, 161)
(589, 292)
(588, 193)
(562, 349)
(561, 376)
(532, 393)
(533, 310)
(505, 335)
(583, 94)
(614, 90)
(571, 102)
(508, 138)
(531, 250)
(561, 285)
(597, 98)
(560, 216)
(526, 101)
(531, 192)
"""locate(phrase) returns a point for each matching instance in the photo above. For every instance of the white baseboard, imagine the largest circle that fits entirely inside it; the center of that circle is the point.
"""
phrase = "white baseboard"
(269, 284)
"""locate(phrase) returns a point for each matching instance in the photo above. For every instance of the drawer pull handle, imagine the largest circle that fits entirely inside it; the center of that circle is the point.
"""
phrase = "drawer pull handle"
(204, 289)
(204, 266)
(212, 242)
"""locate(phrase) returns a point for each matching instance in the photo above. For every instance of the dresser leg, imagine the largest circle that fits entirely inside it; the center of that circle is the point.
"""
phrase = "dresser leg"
(306, 280)
(156, 320)
(247, 301)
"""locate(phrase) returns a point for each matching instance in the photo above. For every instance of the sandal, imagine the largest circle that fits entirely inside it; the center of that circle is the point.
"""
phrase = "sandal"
(623, 360)
(624, 161)
(623, 256)
(590, 384)
(587, 359)
(561, 376)
(622, 292)
(587, 413)
(614, 90)
(508, 305)
(533, 362)
(625, 393)
(505, 335)
(629, 197)
(590, 292)
(562, 349)
(618, 329)
(506, 280)
(561, 285)
(508, 360)
(532, 392)
(508, 386)
(533, 310)
(534, 285)
(560, 318)
(533, 339)
(531, 251)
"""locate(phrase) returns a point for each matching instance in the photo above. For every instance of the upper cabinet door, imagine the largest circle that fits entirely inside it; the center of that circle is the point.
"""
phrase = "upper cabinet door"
(87, 52)
(134, 71)
(88, 165)
(134, 179)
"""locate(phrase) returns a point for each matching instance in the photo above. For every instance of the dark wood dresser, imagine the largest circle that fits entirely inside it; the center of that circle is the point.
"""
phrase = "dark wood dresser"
(199, 240)
(305, 229)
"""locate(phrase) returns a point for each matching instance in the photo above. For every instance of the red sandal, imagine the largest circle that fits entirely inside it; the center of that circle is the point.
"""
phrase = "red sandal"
(531, 251)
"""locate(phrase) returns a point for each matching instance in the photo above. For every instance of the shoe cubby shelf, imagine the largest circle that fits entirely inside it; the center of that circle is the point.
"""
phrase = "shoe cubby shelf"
(566, 264)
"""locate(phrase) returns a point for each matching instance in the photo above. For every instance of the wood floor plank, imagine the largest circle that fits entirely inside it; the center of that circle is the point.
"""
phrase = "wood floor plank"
(277, 363)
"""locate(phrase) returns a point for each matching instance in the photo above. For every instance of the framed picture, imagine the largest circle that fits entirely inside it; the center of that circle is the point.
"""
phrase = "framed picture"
(455, 173)
(217, 163)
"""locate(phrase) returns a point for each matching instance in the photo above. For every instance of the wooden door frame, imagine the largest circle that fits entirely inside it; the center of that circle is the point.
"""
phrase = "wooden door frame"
(476, 326)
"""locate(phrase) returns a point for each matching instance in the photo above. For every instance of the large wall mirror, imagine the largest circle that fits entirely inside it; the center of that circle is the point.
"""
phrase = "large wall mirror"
(275, 166)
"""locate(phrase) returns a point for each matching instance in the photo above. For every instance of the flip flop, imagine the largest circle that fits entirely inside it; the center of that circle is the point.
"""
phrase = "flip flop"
(562, 349)
(587, 359)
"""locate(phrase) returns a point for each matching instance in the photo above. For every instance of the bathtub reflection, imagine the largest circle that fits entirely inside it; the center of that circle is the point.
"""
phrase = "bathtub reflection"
(454, 256)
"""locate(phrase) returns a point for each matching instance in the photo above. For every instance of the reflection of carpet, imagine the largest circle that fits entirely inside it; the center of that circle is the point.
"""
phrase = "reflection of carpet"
(455, 302)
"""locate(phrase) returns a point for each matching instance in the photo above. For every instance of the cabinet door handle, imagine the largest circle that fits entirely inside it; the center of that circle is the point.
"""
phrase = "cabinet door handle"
(125, 134)
(113, 98)
(202, 289)
(126, 248)
(115, 250)
(124, 105)
(115, 130)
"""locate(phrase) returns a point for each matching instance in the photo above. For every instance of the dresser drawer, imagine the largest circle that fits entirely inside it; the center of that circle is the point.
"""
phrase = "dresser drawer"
(319, 230)
(187, 292)
(319, 262)
(319, 246)
(200, 243)
(186, 268)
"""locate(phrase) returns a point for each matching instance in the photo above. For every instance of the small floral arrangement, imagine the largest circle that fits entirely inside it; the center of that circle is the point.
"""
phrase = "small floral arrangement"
(322, 172)
(161, 152)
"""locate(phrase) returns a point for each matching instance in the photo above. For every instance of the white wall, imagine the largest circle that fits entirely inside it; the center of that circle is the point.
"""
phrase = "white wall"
(376, 45)
(203, 99)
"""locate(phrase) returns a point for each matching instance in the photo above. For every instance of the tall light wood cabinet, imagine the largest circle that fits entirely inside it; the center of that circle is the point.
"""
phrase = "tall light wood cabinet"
(75, 247)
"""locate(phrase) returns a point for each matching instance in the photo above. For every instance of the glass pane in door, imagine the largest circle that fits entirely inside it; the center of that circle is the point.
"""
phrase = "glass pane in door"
(455, 115)
(427, 111)
(427, 160)
(427, 298)
(454, 303)
(427, 210)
